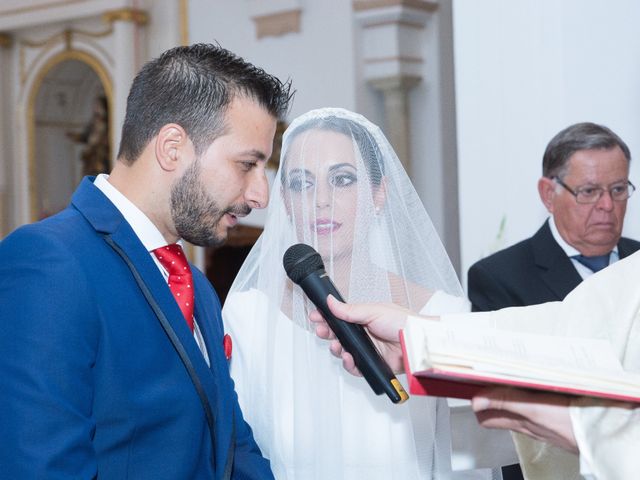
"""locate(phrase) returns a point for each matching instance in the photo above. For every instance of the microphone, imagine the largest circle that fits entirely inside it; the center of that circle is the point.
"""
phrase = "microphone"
(304, 267)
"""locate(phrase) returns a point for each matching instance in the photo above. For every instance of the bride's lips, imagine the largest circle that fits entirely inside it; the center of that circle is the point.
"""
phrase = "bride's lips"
(325, 226)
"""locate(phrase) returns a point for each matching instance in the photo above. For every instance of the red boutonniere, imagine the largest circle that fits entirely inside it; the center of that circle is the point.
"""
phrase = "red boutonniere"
(227, 345)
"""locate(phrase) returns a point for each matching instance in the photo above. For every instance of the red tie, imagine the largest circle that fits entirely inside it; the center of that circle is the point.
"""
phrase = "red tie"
(173, 259)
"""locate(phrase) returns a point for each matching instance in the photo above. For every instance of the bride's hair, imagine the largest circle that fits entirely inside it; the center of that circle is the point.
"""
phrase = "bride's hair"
(368, 147)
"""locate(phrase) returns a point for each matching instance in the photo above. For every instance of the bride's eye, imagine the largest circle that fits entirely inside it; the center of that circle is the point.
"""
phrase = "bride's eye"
(343, 179)
(299, 183)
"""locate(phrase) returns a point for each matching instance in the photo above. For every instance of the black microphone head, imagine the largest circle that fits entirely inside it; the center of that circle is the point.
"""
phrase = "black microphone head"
(300, 260)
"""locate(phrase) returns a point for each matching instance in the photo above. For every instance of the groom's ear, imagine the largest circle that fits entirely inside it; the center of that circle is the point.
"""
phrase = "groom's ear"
(170, 147)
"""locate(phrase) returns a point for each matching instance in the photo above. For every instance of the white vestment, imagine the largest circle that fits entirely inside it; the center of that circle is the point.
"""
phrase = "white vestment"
(606, 306)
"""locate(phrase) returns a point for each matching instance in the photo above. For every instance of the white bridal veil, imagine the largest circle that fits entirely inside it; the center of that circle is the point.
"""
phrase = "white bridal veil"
(341, 189)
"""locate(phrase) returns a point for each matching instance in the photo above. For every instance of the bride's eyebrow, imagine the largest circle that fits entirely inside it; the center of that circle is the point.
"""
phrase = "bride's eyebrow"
(299, 171)
(341, 165)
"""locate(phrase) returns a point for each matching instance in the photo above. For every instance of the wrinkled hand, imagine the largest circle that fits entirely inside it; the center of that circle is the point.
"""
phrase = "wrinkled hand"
(542, 416)
(383, 322)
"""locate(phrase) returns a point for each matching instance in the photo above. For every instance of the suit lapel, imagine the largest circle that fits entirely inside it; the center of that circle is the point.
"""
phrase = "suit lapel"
(203, 317)
(555, 268)
(158, 287)
(208, 319)
(626, 247)
(107, 220)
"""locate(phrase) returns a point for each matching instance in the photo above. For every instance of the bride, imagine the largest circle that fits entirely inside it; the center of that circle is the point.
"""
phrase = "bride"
(341, 189)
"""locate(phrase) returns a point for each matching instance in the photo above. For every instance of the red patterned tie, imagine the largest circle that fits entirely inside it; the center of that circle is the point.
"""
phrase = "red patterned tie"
(173, 259)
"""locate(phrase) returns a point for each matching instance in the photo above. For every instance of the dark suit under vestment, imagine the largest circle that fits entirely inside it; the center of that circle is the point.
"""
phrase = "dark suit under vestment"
(536, 270)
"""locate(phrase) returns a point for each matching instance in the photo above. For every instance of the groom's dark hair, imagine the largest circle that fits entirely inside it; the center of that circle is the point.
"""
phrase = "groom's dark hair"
(193, 86)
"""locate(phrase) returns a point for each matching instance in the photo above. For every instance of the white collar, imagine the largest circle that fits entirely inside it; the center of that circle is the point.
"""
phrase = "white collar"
(568, 249)
(142, 226)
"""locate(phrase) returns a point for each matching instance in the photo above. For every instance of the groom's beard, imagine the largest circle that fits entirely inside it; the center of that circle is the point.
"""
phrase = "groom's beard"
(196, 214)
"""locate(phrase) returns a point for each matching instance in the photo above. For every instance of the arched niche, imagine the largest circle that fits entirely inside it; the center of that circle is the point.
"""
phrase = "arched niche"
(65, 133)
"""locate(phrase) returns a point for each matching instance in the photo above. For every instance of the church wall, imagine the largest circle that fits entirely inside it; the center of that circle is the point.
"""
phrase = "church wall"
(114, 37)
(319, 58)
(325, 59)
(523, 71)
(6, 129)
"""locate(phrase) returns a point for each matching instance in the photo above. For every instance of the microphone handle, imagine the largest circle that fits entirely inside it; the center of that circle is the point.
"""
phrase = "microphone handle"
(354, 339)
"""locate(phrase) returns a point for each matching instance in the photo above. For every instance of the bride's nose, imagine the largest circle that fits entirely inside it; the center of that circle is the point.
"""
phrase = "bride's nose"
(323, 197)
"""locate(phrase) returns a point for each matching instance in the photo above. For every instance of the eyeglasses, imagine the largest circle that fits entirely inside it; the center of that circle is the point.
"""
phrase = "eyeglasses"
(589, 194)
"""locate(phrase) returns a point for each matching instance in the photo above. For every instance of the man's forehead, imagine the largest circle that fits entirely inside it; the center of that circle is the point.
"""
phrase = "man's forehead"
(598, 161)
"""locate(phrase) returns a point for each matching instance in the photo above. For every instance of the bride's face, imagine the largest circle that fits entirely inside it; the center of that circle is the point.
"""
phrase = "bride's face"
(321, 190)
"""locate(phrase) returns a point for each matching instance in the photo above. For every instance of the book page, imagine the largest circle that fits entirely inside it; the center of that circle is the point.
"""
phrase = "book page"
(492, 350)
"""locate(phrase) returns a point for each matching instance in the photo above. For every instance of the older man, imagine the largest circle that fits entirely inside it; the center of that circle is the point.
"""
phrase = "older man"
(585, 187)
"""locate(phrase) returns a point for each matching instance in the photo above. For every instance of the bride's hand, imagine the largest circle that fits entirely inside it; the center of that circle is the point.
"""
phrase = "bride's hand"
(383, 322)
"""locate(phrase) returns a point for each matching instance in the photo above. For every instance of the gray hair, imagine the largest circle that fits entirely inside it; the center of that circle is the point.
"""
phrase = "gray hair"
(581, 136)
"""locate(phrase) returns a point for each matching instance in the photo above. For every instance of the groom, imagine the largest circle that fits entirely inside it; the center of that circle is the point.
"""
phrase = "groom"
(112, 362)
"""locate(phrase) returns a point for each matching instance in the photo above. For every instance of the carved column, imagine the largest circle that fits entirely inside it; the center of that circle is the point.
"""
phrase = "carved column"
(5, 46)
(393, 60)
(127, 44)
(396, 108)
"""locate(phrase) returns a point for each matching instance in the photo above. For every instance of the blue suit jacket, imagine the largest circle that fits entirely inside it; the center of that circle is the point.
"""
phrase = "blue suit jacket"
(90, 384)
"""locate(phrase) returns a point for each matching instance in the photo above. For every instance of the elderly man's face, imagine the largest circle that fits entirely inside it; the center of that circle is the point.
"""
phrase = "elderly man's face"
(593, 229)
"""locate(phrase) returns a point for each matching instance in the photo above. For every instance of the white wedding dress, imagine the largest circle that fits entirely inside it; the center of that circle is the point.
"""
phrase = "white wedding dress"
(341, 189)
(376, 440)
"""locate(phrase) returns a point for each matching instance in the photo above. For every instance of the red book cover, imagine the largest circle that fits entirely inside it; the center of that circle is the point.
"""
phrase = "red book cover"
(441, 383)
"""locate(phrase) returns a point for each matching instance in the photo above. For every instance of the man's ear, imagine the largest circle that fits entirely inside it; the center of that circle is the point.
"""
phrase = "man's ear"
(547, 191)
(170, 146)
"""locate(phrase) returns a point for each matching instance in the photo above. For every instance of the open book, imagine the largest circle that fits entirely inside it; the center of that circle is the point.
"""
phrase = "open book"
(448, 360)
